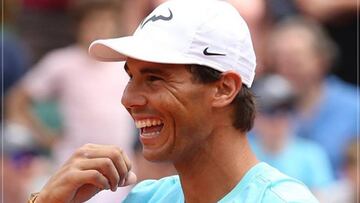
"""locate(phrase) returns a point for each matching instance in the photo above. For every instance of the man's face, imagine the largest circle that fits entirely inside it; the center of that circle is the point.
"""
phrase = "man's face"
(295, 58)
(170, 109)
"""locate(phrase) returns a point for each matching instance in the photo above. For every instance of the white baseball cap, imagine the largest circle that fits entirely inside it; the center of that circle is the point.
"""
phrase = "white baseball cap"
(203, 32)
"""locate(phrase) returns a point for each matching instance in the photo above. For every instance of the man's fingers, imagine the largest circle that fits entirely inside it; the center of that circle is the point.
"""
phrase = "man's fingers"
(92, 177)
(119, 158)
(105, 166)
(90, 169)
(127, 161)
(130, 179)
(121, 168)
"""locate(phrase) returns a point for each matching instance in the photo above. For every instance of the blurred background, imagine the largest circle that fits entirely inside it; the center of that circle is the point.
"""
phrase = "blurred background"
(56, 98)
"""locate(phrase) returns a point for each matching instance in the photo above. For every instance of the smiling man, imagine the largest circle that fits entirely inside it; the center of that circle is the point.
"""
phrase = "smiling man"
(191, 64)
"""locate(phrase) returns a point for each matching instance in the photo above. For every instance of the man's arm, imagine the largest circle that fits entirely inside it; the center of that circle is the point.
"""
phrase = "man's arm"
(91, 169)
(18, 109)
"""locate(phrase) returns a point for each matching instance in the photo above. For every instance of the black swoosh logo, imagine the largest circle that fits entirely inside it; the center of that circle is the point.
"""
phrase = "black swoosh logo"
(156, 18)
(211, 53)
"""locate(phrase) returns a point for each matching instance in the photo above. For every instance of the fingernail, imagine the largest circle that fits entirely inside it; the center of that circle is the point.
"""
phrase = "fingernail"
(123, 182)
(125, 178)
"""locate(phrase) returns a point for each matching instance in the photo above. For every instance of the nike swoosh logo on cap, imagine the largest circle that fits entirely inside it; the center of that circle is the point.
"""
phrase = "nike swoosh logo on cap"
(211, 53)
(159, 17)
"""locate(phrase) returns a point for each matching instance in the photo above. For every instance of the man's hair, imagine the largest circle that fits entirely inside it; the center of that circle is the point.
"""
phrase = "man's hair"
(244, 102)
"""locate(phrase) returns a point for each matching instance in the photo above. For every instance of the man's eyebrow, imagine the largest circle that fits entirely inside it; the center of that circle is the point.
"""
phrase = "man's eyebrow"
(154, 71)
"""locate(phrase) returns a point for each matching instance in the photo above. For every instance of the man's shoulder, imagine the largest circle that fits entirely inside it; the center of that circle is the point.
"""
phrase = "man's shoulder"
(155, 190)
(264, 183)
(282, 188)
(288, 190)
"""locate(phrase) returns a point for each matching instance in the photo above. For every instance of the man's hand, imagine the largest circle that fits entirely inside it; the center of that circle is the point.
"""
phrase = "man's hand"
(89, 170)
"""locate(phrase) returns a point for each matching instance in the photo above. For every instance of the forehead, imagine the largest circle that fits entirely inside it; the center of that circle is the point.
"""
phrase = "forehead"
(134, 65)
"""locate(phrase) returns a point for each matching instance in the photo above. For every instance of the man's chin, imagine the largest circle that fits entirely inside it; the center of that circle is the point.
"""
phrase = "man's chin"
(152, 156)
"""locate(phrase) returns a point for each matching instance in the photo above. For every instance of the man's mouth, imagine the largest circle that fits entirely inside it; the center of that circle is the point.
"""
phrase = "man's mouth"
(149, 127)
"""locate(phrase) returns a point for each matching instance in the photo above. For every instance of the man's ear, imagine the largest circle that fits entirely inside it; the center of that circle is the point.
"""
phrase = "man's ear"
(226, 89)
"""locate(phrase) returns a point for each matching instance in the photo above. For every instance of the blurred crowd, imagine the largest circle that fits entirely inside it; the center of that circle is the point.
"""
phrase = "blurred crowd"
(56, 98)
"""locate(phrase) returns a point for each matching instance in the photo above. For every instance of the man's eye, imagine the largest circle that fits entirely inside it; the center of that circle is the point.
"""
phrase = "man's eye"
(152, 78)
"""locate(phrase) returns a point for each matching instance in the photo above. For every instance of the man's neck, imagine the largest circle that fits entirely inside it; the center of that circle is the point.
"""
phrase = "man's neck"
(216, 168)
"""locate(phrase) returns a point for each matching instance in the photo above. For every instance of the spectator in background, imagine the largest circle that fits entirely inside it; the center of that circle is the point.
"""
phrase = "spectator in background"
(326, 11)
(89, 92)
(21, 162)
(43, 25)
(351, 172)
(275, 142)
(347, 188)
(325, 110)
(17, 154)
(339, 18)
(13, 53)
(15, 61)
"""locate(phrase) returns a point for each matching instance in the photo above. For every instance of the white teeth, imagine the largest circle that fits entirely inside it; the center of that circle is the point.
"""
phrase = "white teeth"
(147, 123)
(150, 134)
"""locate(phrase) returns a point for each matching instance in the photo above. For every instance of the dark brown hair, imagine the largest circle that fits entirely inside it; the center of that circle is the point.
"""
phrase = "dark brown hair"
(244, 102)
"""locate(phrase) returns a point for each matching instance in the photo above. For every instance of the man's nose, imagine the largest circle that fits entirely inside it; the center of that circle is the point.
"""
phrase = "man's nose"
(133, 97)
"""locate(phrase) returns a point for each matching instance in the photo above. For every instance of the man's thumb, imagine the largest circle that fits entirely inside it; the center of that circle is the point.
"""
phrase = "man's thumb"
(130, 179)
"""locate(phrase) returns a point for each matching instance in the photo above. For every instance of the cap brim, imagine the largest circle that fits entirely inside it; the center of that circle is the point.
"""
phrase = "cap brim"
(118, 49)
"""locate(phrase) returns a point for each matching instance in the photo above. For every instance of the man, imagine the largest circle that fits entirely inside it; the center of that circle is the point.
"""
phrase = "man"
(322, 99)
(188, 113)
